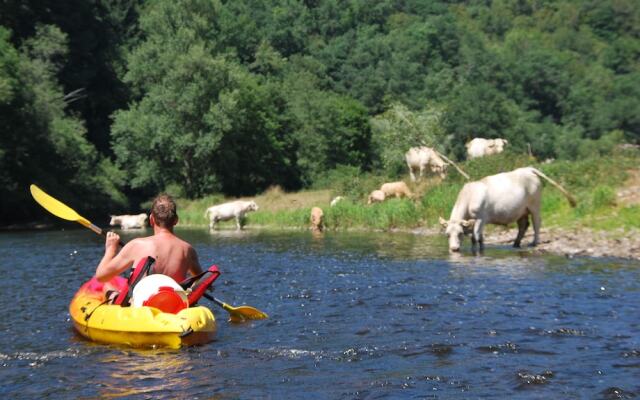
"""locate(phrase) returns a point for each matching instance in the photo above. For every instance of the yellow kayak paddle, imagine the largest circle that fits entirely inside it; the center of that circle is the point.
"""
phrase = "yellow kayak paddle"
(238, 314)
(61, 210)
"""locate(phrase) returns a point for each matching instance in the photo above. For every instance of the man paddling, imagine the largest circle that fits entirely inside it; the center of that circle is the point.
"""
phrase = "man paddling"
(174, 257)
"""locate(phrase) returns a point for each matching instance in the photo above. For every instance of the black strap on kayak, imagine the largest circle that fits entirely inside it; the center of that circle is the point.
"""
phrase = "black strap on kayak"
(142, 269)
(88, 315)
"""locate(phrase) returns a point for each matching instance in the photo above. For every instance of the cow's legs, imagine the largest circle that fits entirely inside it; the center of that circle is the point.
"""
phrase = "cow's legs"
(478, 228)
(523, 224)
(412, 174)
(537, 221)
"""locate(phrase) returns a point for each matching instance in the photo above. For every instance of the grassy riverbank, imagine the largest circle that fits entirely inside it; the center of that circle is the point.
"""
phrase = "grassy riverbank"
(607, 189)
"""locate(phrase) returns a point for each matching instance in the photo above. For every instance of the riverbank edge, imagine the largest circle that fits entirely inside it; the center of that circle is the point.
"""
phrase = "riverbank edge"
(568, 242)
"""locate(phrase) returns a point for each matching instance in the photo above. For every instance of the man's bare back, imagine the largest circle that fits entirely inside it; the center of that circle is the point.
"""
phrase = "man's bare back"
(174, 257)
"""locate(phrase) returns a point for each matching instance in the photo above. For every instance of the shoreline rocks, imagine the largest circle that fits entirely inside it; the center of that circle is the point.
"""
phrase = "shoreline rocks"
(575, 242)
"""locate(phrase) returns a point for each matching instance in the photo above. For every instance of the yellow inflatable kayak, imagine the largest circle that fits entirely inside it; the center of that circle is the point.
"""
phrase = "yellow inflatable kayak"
(137, 326)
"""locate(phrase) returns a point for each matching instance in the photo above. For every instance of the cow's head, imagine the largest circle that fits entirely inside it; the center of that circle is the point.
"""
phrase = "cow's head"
(499, 144)
(253, 206)
(115, 220)
(455, 231)
(142, 218)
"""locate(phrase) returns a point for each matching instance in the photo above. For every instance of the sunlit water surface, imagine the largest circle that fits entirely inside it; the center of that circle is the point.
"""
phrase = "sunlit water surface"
(352, 315)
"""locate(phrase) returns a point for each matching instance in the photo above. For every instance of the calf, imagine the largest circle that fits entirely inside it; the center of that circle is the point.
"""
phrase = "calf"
(317, 219)
(498, 199)
(224, 212)
(397, 189)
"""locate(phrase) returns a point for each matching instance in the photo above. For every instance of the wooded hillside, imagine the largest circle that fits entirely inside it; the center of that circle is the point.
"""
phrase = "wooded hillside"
(106, 103)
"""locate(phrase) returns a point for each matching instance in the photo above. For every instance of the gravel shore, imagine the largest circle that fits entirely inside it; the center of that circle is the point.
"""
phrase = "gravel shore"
(569, 242)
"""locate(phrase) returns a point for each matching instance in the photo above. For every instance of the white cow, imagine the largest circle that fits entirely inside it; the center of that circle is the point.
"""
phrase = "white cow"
(336, 200)
(224, 212)
(419, 158)
(498, 199)
(129, 221)
(480, 147)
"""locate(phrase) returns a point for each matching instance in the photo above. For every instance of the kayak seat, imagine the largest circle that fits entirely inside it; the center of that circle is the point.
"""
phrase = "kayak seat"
(144, 268)
(195, 286)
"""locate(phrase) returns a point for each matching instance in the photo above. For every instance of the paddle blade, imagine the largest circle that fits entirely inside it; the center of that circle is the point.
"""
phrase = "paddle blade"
(243, 313)
(59, 209)
(54, 206)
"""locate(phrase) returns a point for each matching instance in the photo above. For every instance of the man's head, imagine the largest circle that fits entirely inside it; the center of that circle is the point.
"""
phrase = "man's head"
(164, 212)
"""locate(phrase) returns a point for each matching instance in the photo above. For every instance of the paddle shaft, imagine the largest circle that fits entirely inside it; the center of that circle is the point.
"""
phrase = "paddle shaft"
(218, 302)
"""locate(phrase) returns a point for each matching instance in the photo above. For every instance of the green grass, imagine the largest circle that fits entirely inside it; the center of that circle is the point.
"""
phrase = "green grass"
(594, 182)
(191, 212)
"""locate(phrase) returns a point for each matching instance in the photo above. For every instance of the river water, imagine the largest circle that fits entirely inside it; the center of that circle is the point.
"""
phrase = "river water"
(352, 315)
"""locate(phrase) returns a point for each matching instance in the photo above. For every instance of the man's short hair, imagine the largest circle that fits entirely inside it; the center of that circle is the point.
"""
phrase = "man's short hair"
(164, 211)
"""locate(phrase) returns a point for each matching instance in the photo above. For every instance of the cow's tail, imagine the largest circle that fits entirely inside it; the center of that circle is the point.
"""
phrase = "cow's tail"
(572, 200)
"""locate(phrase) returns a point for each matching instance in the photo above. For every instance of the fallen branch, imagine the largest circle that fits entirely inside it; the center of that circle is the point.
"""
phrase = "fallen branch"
(454, 164)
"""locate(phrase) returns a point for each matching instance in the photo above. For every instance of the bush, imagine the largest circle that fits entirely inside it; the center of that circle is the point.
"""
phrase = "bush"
(603, 196)
(478, 168)
(348, 181)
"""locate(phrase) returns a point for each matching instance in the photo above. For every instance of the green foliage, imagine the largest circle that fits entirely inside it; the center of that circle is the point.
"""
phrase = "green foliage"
(603, 196)
(478, 168)
(398, 129)
(348, 181)
(438, 201)
(210, 96)
(42, 143)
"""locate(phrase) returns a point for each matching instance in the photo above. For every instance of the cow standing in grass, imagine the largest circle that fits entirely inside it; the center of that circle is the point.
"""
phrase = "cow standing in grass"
(224, 212)
(419, 158)
(480, 147)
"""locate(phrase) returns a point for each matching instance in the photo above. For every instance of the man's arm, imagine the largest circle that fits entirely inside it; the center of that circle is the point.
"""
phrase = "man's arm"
(194, 264)
(113, 264)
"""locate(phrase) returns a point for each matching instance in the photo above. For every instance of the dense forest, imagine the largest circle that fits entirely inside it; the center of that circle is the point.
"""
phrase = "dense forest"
(105, 103)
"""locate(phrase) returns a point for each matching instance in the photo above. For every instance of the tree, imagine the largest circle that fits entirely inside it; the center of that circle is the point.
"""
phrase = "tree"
(42, 143)
(398, 129)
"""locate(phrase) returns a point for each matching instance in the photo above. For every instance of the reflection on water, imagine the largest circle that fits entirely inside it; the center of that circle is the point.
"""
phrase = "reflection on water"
(148, 373)
(352, 315)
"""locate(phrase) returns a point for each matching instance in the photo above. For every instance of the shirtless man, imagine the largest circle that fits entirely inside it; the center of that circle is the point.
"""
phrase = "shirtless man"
(174, 257)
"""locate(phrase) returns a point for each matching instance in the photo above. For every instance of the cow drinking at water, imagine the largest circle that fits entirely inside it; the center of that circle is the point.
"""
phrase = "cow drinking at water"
(498, 199)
